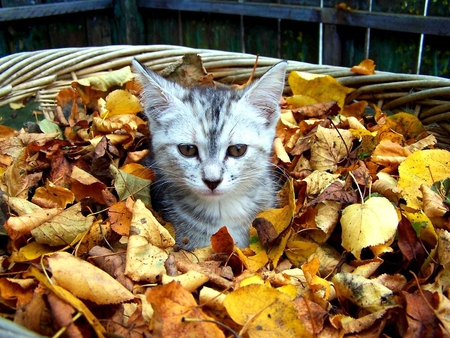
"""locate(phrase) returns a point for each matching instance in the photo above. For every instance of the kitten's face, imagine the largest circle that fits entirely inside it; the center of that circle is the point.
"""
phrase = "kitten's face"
(210, 142)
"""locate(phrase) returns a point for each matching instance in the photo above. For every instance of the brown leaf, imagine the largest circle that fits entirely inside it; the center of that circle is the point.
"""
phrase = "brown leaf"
(63, 315)
(409, 243)
(318, 111)
(188, 72)
(313, 316)
(120, 217)
(112, 263)
(222, 241)
(85, 185)
(266, 231)
(433, 204)
(421, 321)
(335, 192)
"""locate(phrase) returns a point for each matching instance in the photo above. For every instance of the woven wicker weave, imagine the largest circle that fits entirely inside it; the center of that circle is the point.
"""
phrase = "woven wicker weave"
(44, 73)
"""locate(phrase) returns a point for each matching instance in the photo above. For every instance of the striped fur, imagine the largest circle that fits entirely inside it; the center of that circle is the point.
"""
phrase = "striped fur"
(212, 119)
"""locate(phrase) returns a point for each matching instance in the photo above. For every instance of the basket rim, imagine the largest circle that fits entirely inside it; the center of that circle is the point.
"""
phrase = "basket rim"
(41, 72)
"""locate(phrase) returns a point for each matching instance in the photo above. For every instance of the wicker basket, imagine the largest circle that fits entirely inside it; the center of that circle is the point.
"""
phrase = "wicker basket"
(44, 73)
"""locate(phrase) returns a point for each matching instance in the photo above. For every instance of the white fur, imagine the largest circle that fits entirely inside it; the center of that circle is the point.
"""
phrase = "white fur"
(191, 116)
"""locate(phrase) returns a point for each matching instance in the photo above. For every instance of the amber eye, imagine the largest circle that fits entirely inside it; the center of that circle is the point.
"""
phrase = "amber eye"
(188, 150)
(237, 150)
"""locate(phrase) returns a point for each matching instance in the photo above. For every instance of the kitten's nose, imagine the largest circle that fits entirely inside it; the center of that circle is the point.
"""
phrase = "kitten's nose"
(212, 184)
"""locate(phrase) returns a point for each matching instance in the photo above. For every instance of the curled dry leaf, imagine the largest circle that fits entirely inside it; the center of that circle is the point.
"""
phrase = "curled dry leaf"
(146, 246)
(91, 283)
(365, 67)
(366, 293)
(106, 81)
(329, 148)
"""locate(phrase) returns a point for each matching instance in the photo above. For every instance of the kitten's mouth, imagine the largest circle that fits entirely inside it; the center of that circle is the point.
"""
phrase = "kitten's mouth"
(211, 193)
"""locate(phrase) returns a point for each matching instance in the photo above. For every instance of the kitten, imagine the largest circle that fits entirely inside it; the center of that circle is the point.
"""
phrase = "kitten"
(210, 150)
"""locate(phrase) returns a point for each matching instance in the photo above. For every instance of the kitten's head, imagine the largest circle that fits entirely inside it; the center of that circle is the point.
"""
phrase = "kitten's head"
(212, 142)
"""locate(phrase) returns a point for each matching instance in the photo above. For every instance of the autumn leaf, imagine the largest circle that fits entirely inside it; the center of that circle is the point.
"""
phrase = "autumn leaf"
(63, 228)
(122, 102)
(129, 185)
(365, 67)
(24, 224)
(368, 224)
(69, 298)
(91, 283)
(172, 304)
(367, 294)
(264, 312)
(422, 167)
(322, 88)
(106, 81)
(329, 148)
(316, 283)
(146, 246)
(53, 196)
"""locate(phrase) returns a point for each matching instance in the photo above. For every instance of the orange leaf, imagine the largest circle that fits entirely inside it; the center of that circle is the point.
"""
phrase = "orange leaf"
(172, 303)
(366, 67)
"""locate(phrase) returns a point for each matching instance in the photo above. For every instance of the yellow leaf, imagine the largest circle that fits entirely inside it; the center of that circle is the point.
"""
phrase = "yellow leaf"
(365, 293)
(323, 88)
(329, 148)
(30, 252)
(422, 167)
(281, 217)
(281, 153)
(91, 283)
(108, 80)
(277, 251)
(265, 312)
(144, 224)
(122, 102)
(190, 280)
(299, 100)
(299, 251)
(64, 227)
(148, 240)
(255, 262)
(371, 223)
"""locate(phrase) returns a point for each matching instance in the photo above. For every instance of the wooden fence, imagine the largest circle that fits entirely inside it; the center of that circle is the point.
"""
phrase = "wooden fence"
(401, 36)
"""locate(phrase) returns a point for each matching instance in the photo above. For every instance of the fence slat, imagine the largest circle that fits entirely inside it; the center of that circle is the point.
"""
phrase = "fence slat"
(385, 21)
(39, 11)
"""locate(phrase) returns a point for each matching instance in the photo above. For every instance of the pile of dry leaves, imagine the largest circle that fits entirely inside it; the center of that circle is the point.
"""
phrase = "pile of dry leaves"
(360, 247)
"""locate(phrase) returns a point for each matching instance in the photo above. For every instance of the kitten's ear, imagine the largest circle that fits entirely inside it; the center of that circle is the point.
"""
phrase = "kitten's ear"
(265, 94)
(158, 93)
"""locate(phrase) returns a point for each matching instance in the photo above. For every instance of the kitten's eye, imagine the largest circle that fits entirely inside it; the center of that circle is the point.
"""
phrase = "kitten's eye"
(237, 150)
(188, 150)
